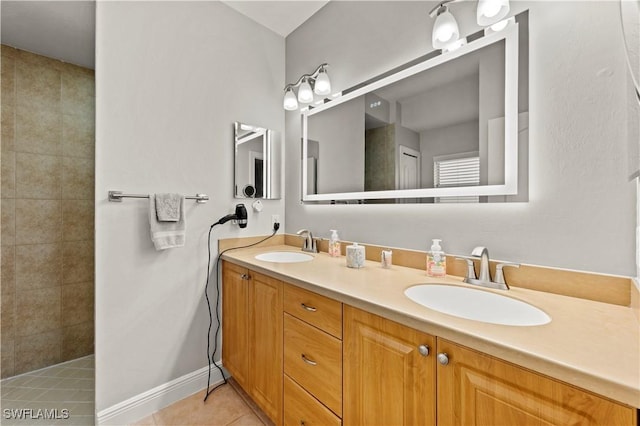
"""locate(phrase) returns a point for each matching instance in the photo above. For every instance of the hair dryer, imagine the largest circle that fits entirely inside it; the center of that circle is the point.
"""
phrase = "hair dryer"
(240, 215)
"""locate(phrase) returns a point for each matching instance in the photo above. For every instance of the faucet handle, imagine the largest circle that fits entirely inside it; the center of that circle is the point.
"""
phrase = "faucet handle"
(471, 272)
(500, 274)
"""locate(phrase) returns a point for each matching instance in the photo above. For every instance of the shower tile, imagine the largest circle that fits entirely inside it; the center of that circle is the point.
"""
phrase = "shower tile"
(37, 83)
(78, 135)
(8, 121)
(8, 266)
(37, 311)
(77, 262)
(37, 351)
(78, 93)
(38, 221)
(7, 367)
(38, 130)
(7, 327)
(77, 178)
(38, 176)
(8, 76)
(8, 221)
(8, 174)
(77, 341)
(38, 266)
(77, 303)
(77, 220)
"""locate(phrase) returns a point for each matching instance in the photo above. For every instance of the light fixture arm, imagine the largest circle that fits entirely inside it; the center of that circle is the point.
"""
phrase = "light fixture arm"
(438, 9)
(311, 76)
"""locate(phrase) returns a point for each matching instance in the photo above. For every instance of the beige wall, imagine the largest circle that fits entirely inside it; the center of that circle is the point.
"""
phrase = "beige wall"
(47, 211)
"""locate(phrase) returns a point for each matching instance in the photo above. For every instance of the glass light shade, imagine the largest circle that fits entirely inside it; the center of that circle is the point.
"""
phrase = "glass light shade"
(455, 45)
(290, 102)
(323, 84)
(305, 94)
(445, 30)
(491, 11)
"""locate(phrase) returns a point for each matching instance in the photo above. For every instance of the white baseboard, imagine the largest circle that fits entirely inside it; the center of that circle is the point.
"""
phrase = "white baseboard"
(147, 403)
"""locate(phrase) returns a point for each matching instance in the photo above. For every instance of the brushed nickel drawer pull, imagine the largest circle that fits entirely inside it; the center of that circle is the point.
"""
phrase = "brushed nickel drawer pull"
(245, 276)
(307, 360)
(308, 308)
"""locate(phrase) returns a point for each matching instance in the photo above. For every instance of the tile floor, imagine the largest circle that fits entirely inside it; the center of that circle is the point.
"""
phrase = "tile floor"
(224, 407)
(62, 394)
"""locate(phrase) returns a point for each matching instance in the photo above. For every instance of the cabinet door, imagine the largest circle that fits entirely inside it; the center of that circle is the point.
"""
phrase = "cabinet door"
(387, 381)
(235, 322)
(477, 389)
(265, 307)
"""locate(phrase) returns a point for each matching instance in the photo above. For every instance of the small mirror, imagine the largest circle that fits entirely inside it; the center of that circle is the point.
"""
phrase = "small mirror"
(257, 162)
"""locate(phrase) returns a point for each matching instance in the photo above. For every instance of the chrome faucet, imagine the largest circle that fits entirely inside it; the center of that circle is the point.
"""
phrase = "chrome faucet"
(309, 244)
(484, 278)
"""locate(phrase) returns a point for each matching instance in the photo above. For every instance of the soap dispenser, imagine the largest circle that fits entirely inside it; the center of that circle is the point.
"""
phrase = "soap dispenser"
(334, 244)
(436, 260)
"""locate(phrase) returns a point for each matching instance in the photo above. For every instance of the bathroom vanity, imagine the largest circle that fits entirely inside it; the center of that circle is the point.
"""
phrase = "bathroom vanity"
(318, 343)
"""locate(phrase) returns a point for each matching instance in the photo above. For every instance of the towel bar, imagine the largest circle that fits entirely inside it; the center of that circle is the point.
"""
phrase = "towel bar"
(117, 196)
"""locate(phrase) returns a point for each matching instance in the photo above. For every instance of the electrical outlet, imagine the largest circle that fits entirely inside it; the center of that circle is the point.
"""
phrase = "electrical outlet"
(275, 218)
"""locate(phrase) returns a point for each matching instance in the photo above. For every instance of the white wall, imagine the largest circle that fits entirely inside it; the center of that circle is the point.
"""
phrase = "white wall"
(171, 79)
(581, 209)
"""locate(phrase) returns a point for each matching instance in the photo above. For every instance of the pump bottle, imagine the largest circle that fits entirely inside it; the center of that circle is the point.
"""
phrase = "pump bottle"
(334, 244)
(436, 260)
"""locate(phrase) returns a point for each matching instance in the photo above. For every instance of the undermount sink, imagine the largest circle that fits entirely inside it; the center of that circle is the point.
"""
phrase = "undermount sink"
(284, 257)
(476, 304)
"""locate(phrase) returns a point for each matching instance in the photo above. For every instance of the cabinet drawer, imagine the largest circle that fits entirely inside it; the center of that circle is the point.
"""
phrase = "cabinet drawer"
(313, 359)
(317, 310)
(300, 408)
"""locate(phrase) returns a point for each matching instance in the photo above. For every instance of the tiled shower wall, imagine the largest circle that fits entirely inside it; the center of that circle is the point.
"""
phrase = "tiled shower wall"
(47, 204)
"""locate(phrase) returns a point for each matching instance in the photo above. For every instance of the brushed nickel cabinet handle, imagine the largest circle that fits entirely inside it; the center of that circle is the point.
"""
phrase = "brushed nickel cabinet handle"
(307, 360)
(245, 276)
(443, 358)
(424, 350)
(308, 308)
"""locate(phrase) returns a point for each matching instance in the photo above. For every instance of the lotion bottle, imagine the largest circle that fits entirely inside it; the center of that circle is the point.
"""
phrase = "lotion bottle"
(334, 244)
(436, 261)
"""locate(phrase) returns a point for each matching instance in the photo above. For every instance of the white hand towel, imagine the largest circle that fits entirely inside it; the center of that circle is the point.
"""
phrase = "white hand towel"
(166, 234)
(168, 207)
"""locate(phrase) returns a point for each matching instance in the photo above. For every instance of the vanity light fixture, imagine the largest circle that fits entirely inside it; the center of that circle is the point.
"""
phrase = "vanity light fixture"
(490, 12)
(321, 86)
(446, 33)
(445, 28)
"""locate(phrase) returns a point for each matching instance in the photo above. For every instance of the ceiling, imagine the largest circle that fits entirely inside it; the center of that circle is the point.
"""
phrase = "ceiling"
(62, 30)
(281, 17)
(65, 30)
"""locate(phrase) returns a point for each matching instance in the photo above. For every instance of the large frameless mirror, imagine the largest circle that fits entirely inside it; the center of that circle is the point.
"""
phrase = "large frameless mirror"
(445, 129)
(257, 171)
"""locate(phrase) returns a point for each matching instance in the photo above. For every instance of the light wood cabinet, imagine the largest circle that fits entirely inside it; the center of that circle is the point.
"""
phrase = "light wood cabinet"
(477, 389)
(235, 322)
(387, 380)
(252, 335)
(300, 408)
(312, 358)
(308, 359)
(265, 337)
